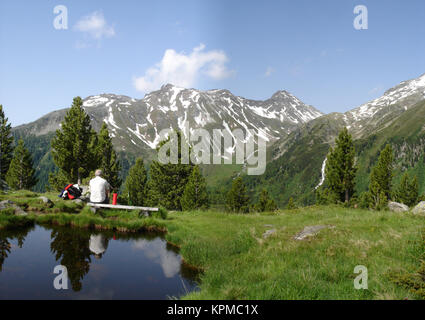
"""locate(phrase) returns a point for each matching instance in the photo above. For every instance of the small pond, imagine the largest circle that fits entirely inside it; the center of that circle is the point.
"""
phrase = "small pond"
(100, 265)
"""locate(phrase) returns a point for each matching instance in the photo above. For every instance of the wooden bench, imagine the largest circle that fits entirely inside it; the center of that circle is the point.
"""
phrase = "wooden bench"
(142, 210)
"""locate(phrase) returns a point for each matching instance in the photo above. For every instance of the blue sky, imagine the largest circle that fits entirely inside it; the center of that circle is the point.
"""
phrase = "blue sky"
(252, 48)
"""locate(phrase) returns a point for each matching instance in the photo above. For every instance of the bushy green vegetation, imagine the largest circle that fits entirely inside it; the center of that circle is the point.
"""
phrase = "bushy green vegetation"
(21, 174)
(237, 198)
(168, 181)
(340, 170)
(238, 263)
(135, 185)
(407, 191)
(195, 194)
(108, 159)
(6, 147)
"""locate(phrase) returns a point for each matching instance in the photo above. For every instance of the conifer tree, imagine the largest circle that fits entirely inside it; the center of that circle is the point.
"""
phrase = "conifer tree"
(135, 184)
(237, 198)
(73, 147)
(109, 163)
(265, 203)
(381, 178)
(291, 204)
(167, 182)
(340, 170)
(6, 147)
(195, 195)
(407, 191)
(21, 174)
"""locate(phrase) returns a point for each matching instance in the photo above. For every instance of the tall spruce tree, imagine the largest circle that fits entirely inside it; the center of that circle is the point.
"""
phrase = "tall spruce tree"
(168, 181)
(237, 197)
(340, 170)
(74, 146)
(407, 191)
(21, 174)
(265, 203)
(135, 184)
(381, 178)
(195, 195)
(6, 147)
(108, 159)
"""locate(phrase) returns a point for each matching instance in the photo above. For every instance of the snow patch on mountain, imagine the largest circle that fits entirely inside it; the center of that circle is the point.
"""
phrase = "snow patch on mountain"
(397, 95)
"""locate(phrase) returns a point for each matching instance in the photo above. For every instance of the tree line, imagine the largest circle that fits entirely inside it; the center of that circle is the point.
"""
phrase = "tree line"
(77, 151)
(16, 165)
(340, 174)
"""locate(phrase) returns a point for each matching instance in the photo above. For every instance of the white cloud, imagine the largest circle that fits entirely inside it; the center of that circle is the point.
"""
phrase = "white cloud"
(95, 26)
(269, 72)
(184, 70)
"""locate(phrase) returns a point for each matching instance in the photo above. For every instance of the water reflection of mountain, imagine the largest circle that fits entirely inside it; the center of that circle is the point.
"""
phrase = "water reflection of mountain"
(11, 234)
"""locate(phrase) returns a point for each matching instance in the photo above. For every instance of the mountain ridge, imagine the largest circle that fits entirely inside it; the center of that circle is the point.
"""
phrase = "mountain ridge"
(298, 141)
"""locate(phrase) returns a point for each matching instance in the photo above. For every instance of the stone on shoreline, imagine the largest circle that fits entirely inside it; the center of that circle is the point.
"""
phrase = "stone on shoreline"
(10, 204)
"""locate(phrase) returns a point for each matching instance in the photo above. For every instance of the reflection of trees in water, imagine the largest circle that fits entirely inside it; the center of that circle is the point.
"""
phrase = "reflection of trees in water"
(11, 234)
(71, 248)
(4, 251)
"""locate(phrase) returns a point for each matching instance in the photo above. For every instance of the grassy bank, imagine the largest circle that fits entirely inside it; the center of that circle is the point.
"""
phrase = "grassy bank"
(69, 213)
(239, 263)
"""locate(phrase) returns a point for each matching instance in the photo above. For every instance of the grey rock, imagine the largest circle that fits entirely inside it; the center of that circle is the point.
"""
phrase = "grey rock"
(397, 207)
(309, 231)
(6, 203)
(420, 208)
(46, 200)
(268, 233)
(10, 204)
(79, 201)
(19, 211)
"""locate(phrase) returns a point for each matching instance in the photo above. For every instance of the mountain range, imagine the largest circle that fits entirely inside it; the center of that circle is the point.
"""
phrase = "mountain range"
(298, 135)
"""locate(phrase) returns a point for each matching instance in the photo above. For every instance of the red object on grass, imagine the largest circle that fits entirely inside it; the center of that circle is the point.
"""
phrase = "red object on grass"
(114, 198)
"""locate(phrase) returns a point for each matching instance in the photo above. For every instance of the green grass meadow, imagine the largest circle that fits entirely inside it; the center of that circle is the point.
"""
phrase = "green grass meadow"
(237, 262)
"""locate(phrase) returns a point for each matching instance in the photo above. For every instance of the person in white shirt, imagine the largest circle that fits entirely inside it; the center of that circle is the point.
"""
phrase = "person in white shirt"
(99, 189)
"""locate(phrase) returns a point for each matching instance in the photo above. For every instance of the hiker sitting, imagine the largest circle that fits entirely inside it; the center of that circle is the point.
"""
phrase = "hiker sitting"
(99, 189)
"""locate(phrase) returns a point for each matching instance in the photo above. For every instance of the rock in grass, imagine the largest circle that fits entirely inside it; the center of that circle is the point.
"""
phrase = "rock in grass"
(6, 204)
(46, 200)
(10, 204)
(420, 208)
(309, 231)
(268, 233)
(397, 207)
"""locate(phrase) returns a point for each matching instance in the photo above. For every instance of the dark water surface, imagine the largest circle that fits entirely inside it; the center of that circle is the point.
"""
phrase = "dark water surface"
(101, 265)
